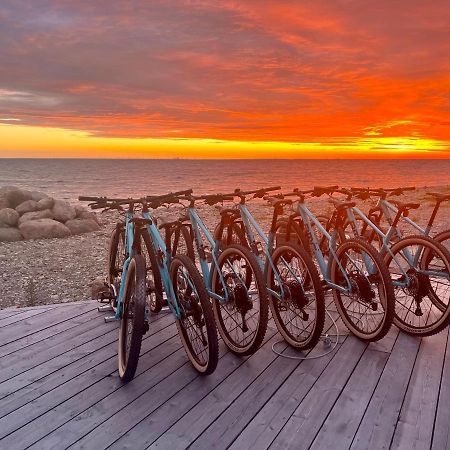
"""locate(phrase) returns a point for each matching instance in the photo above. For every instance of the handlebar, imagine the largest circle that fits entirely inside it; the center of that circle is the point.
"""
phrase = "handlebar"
(258, 193)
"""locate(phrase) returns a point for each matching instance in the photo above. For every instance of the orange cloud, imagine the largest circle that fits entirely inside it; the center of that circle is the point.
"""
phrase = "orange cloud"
(335, 74)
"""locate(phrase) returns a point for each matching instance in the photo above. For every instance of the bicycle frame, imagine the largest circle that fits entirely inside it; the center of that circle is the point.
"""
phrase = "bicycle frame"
(324, 265)
(198, 227)
(268, 241)
(164, 259)
(413, 262)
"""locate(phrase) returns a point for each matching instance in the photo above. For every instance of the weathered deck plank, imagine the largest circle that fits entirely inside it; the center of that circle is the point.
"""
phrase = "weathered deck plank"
(60, 388)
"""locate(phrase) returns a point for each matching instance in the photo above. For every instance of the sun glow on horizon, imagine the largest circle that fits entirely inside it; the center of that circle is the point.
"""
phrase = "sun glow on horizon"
(44, 142)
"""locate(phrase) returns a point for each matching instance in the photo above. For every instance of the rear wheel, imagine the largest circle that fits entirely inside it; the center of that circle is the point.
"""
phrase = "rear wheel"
(132, 323)
(296, 234)
(420, 271)
(154, 287)
(365, 301)
(299, 311)
(242, 319)
(181, 241)
(231, 234)
(116, 257)
(196, 326)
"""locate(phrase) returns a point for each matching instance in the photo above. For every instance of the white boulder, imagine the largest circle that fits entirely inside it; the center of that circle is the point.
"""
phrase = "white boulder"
(63, 211)
(43, 229)
(8, 217)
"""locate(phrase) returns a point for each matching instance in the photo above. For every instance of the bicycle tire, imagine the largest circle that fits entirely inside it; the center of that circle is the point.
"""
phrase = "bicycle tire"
(237, 235)
(296, 235)
(419, 288)
(153, 279)
(363, 291)
(296, 298)
(240, 301)
(199, 310)
(181, 236)
(116, 258)
(133, 311)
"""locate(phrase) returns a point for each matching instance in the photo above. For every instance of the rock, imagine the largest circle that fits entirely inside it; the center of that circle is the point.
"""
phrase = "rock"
(63, 211)
(10, 235)
(88, 215)
(97, 286)
(79, 226)
(35, 215)
(43, 229)
(9, 217)
(27, 206)
(45, 203)
(14, 195)
(37, 196)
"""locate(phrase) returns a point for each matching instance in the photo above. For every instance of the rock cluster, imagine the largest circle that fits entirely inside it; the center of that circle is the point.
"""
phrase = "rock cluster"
(34, 215)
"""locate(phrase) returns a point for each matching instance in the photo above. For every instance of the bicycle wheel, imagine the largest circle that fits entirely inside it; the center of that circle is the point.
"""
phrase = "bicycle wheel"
(231, 234)
(444, 239)
(116, 258)
(242, 320)
(132, 323)
(296, 234)
(420, 271)
(154, 286)
(300, 312)
(366, 303)
(234, 234)
(181, 241)
(196, 326)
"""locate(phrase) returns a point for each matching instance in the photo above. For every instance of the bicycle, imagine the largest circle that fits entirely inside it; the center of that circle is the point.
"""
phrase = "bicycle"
(353, 270)
(233, 280)
(296, 297)
(419, 265)
(186, 294)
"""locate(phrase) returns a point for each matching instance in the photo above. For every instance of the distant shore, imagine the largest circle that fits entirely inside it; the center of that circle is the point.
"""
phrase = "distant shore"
(60, 270)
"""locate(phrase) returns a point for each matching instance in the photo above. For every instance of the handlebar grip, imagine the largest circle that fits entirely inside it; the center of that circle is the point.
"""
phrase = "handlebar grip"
(326, 188)
(83, 198)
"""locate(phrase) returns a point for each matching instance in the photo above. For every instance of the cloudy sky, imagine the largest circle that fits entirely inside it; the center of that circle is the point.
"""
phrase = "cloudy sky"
(223, 78)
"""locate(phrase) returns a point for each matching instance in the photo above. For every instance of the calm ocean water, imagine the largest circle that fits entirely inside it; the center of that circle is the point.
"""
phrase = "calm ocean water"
(68, 178)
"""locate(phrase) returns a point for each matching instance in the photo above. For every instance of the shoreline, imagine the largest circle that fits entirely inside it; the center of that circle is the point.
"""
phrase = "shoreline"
(52, 271)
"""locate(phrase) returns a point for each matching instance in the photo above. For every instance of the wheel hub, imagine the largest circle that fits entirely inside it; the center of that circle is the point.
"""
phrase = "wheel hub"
(362, 289)
(241, 298)
(295, 294)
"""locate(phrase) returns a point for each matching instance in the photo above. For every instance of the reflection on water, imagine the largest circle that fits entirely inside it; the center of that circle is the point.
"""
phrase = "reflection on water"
(68, 178)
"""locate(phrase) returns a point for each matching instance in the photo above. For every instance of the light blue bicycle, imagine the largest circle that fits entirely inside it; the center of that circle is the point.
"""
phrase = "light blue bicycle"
(353, 270)
(186, 294)
(233, 279)
(296, 296)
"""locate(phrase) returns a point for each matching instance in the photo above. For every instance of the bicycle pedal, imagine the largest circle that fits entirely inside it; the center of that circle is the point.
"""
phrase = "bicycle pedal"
(104, 308)
(110, 319)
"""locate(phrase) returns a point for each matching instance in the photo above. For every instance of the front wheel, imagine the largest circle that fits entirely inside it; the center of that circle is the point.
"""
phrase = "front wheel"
(298, 302)
(242, 318)
(132, 323)
(364, 297)
(420, 271)
(196, 325)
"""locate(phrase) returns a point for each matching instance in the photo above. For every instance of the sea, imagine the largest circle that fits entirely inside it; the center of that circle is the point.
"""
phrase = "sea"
(69, 178)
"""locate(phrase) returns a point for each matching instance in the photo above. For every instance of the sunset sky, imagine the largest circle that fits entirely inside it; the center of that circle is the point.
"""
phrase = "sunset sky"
(288, 79)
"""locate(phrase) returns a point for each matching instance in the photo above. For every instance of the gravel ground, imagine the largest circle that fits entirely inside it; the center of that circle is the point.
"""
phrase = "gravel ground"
(60, 270)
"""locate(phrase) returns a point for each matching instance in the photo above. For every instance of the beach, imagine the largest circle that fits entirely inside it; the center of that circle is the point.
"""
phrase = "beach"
(61, 270)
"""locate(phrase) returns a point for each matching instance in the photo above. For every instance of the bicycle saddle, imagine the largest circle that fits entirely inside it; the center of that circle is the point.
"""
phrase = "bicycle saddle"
(341, 206)
(173, 223)
(439, 197)
(405, 206)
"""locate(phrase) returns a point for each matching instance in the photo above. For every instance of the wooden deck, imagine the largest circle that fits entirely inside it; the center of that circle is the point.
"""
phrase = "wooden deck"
(59, 388)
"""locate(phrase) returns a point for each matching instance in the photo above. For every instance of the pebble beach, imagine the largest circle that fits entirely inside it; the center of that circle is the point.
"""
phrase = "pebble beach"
(60, 270)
